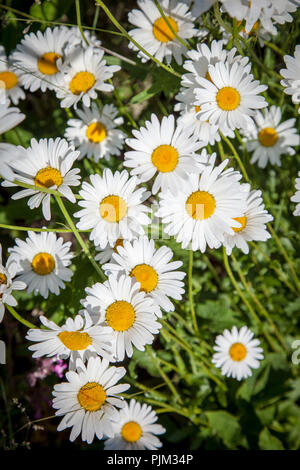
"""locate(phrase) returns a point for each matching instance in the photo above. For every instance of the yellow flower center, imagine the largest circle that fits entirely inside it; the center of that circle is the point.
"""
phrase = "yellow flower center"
(43, 264)
(228, 98)
(8, 80)
(96, 132)
(200, 205)
(47, 63)
(113, 208)
(242, 221)
(75, 340)
(81, 82)
(3, 279)
(208, 77)
(120, 315)
(197, 109)
(237, 352)
(146, 276)
(254, 27)
(48, 177)
(165, 158)
(131, 431)
(91, 396)
(161, 29)
(268, 137)
(119, 242)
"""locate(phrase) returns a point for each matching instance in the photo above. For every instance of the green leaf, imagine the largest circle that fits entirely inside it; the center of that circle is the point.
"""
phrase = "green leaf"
(269, 442)
(226, 426)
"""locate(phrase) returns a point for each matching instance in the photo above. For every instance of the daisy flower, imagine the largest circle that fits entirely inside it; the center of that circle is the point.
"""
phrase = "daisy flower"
(112, 207)
(291, 76)
(9, 79)
(77, 39)
(230, 97)
(135, 429)
(82, 76)
(8, 153)
(106, 253)
(237, 353)
(46, 163)
(7, 285)
(151, 267)
(42, 261)
(78, 338)
(296, 196)
(253, 223)
(88, 401)
(38, 57)
(165, 150)
(10, 117)
(154, 34)
(205, 208)
(127, 310)
(268, 138)
(95, 133)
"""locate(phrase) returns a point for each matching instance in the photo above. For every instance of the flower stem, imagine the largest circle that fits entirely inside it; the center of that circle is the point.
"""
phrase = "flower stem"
(37, 229)
(18, 317)
(79, 22)
(190, 279)
(235, 154)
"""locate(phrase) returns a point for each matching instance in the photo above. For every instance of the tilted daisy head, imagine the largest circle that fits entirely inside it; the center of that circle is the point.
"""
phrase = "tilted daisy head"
(296, 196)
(154, 33)
(46, 164)
(237, 353)
(152, 268)
(78, 338)
(135, 429)
(9, 79)
(96, 133)
(205, 208)
(10, 116)
(121, 304)
(42, 261)
(82, 76)
(291, 74)
(163, 149)
(113, 207)
(88, 401)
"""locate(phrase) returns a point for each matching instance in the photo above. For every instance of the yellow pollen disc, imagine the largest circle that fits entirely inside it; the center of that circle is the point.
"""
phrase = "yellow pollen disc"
(91, 396)
(200, 205)
(47, 63)
(119, 242)
(96, 132)
(3, 279)
(237, 352)
(228, 98)
(268, 137)
(146, 275)
(161, 30)
(8, 80)
(43, 263)
(197, 109)
(131, 431)
(75, 340)
(47, 177)
(120, 315)
(113, 208)
(81, 82)
(242, 221)
(165, 158)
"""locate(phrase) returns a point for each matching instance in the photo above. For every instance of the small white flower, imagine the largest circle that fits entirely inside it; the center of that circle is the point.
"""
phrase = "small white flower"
(48, 164)
(8, 285)
(9, 79)
(165, 150)
(82, 76)
(269, 138)
(151, 267)
(113, 207)
(135, 429)
(78, 338)
(291, 76)
(95, 133)
(237, 353)
(89, 398)
(42, 261)
(131, 314)
(296, 196)
(10, 117)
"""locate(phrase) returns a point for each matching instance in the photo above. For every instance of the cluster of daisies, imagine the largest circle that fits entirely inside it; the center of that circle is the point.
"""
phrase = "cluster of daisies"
(200, 202)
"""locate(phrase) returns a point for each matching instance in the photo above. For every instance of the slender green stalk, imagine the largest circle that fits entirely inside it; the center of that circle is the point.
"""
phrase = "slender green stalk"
(19, 318)
(122, 30)
(79, 21)
(274, 47)
(78, 237)
(190, 278)
(219, 18)
(96, 17)
(235, 154)
(236, 36)
(185, 44)
(221, 150)
(163, 375)
(38, 229)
